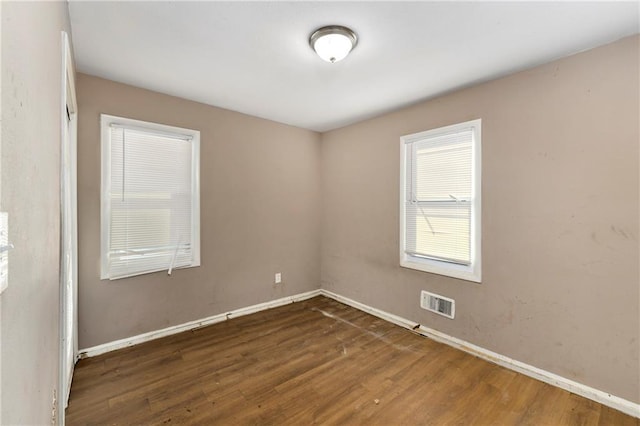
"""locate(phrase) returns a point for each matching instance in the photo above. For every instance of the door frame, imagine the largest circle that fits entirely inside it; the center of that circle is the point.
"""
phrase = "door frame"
(68, 140)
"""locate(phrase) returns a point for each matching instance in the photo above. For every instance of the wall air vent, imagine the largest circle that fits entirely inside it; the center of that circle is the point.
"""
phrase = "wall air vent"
(438, 304)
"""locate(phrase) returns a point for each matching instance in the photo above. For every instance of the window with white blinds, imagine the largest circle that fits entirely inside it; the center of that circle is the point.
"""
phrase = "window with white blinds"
(440, 202)
(150, 197)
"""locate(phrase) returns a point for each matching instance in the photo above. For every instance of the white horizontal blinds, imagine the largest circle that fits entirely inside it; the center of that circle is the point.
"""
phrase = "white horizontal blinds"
(150, 200)
(438, 206)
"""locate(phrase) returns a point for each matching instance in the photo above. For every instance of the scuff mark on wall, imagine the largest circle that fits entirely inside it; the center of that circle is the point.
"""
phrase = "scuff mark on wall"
(621, 232)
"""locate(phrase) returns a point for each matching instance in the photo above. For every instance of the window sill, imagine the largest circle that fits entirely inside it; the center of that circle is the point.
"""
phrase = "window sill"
(467, 273)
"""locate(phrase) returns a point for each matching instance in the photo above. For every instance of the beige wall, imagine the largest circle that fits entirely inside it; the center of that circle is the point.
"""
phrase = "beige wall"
(260, 193)
(30, 176)
(560, 286)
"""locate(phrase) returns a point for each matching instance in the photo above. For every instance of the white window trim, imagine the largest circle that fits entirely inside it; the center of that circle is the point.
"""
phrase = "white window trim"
(105, 202)
(472, 272)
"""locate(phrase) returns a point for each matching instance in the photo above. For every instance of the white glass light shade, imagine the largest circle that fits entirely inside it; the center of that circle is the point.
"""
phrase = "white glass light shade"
(332, 47)
(333, 43)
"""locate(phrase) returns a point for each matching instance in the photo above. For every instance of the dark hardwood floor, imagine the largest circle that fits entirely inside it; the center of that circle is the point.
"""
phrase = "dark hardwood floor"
(314, 362)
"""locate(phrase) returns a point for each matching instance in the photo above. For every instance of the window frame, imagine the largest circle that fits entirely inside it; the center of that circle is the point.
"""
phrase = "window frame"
(106, 121)
(473, 271)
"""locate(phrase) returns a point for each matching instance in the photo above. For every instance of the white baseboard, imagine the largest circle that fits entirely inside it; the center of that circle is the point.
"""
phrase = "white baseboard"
(604, 398)
(191, 325)
(627, 407)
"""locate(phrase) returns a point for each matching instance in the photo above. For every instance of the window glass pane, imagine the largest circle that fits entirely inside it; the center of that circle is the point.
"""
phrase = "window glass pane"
(443, 167)
(440, 230)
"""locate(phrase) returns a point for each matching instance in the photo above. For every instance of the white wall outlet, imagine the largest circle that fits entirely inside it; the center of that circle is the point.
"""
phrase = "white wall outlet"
(278, 278)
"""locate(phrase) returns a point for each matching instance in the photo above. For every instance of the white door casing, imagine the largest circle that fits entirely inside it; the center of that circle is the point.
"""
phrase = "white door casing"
(68, 230)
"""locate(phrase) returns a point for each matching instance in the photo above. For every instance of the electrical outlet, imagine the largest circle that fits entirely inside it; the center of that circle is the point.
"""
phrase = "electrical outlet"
(278, 278)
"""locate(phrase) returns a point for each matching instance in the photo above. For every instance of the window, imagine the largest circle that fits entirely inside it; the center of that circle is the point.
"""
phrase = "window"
(150, 217)
(440, 201)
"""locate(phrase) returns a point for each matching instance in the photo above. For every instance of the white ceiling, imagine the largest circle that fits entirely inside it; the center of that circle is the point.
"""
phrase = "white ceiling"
(254, 57)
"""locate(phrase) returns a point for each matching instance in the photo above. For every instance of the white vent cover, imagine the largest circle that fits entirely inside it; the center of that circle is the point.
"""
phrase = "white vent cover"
(439, 304)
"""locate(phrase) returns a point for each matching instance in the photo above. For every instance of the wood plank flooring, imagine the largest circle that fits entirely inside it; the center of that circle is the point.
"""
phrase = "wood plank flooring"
(314, 362)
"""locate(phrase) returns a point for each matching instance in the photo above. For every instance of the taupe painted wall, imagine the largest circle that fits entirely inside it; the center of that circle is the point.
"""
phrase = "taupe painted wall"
(260, 214)
(560, 286)
(30, 167)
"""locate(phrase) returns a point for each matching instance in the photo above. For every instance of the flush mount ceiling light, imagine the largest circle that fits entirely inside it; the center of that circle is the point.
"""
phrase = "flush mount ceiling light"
(333, 43)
